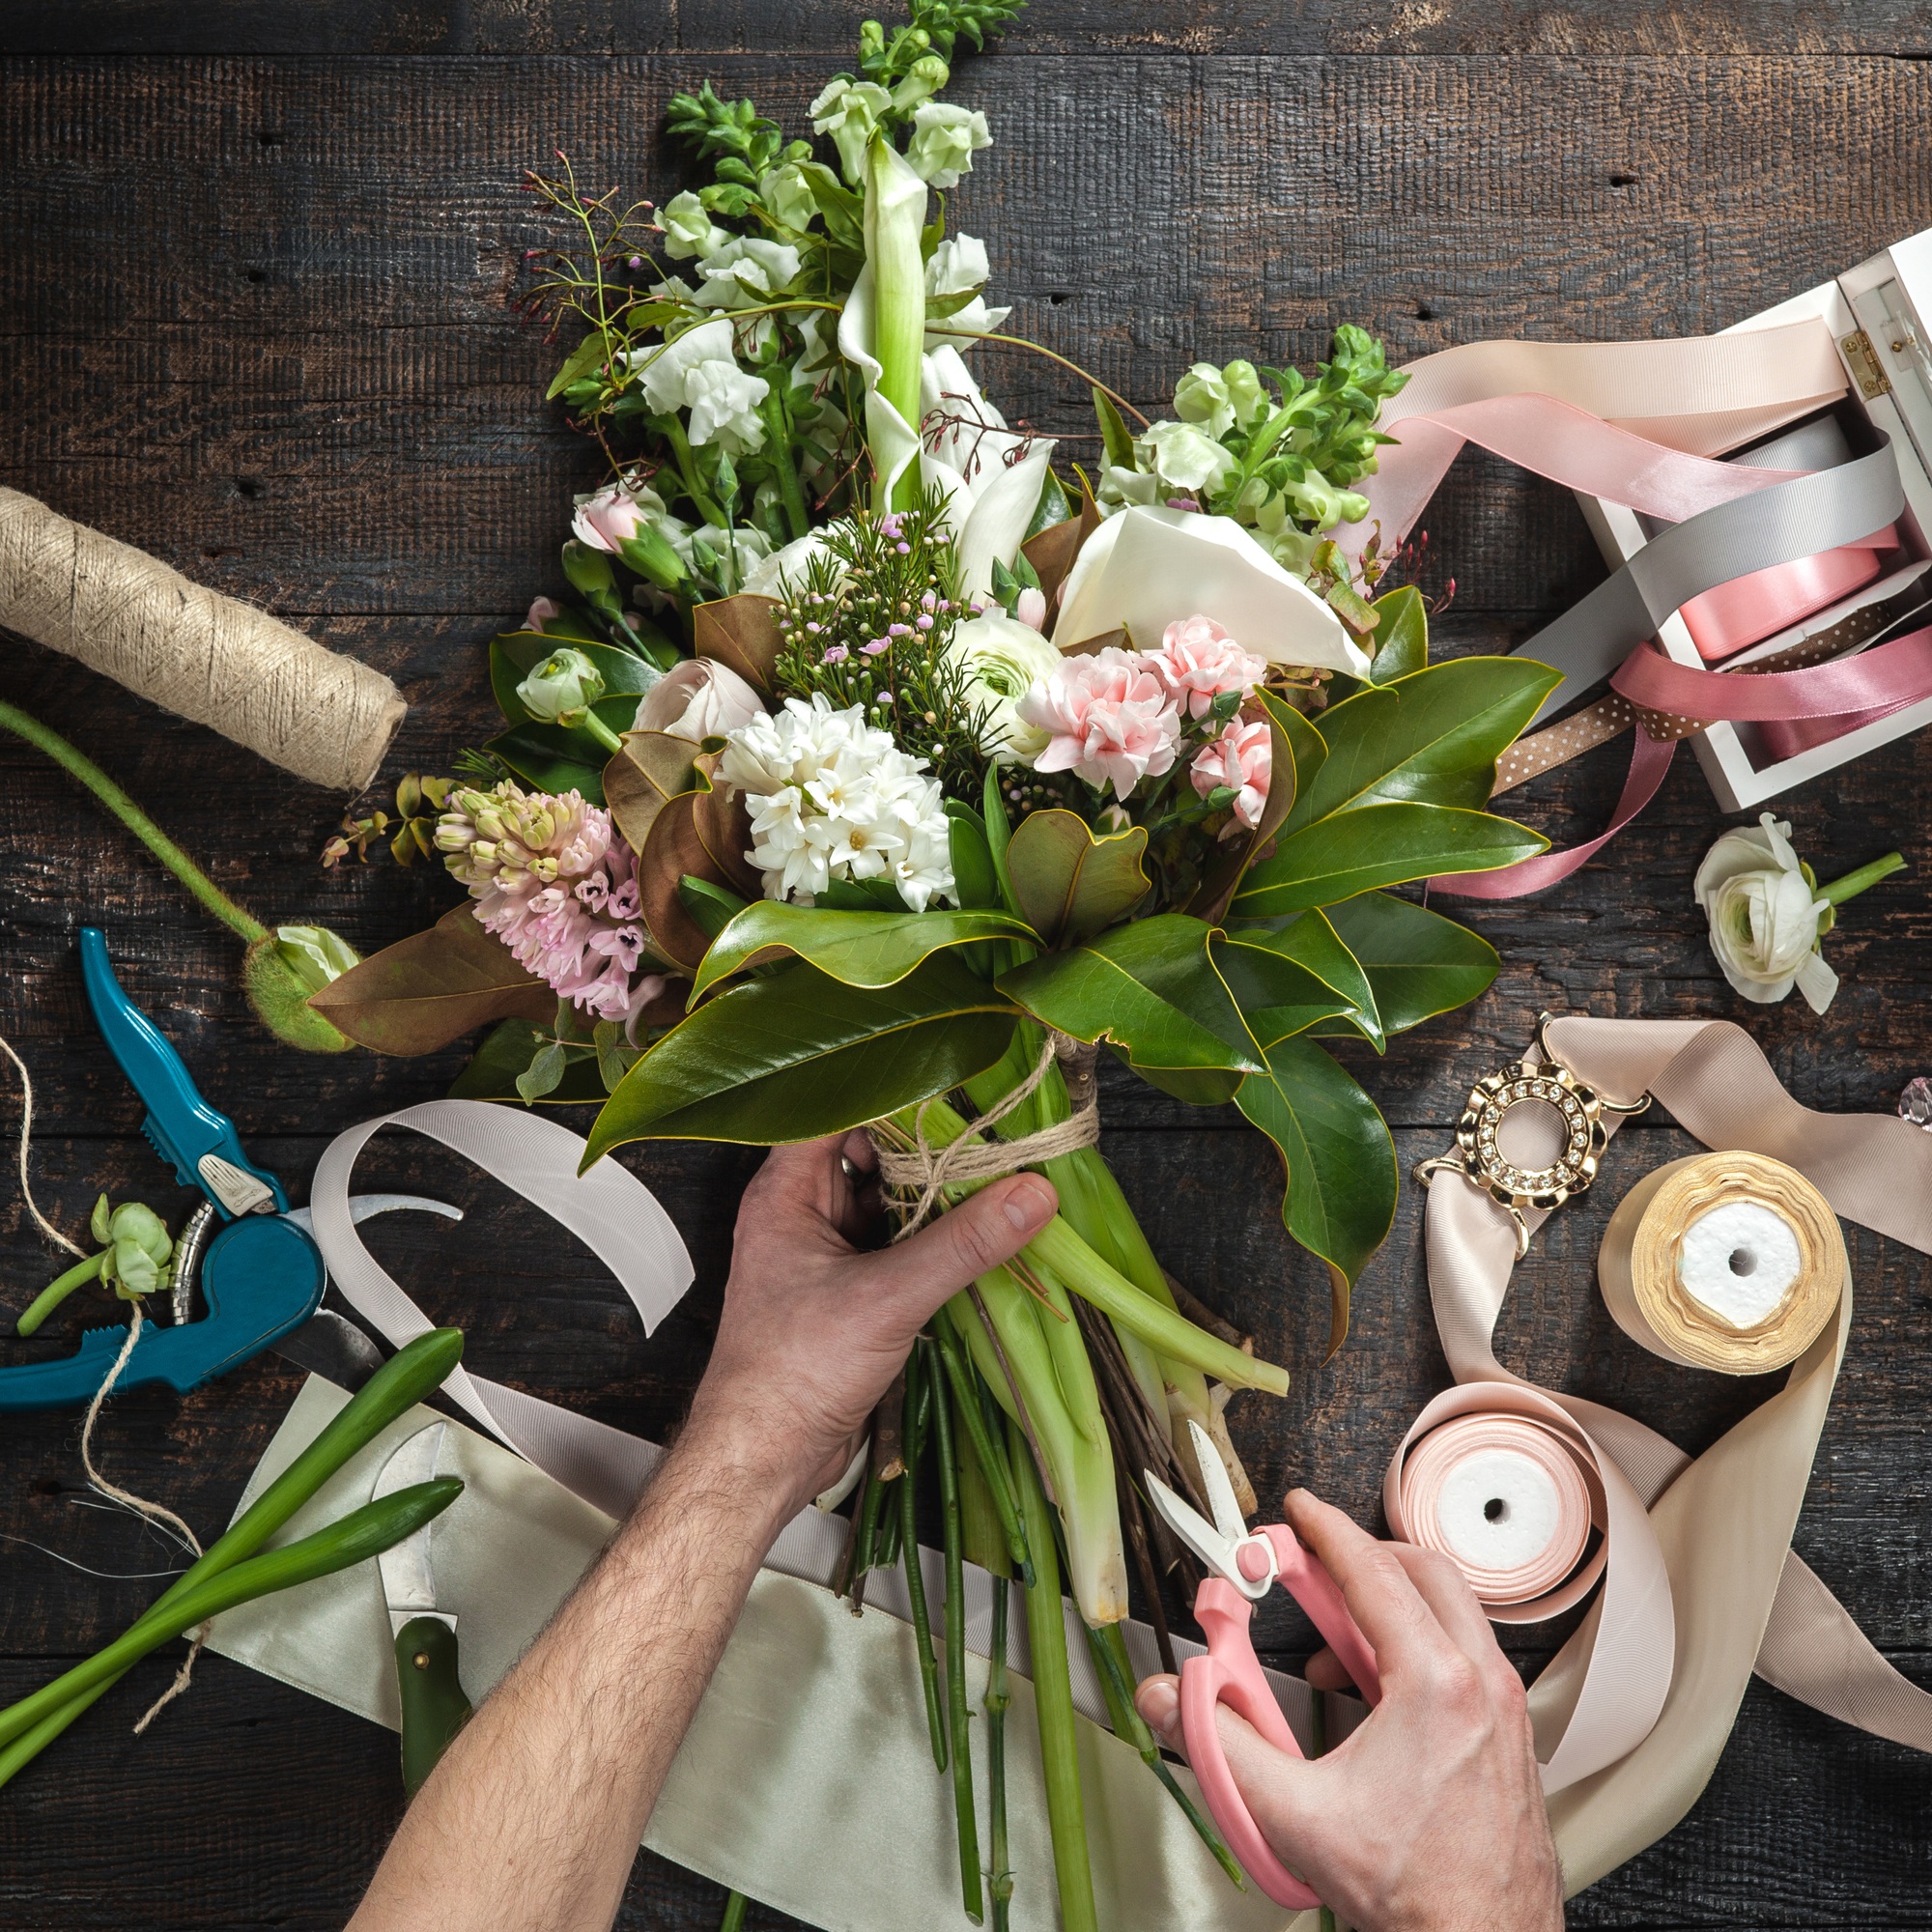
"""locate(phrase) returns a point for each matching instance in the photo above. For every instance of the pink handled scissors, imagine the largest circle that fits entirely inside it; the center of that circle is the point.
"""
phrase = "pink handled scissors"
(1244, 1565)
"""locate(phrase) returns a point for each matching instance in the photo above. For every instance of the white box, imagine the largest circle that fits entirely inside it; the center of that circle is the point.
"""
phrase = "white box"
(1875, 313)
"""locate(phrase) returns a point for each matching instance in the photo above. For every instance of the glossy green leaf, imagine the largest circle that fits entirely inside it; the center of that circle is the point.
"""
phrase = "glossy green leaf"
(1296, 965)
(515, 654)
(798, 1054)
(1419, 963)
(1340, 1163)
(1310, 748)
(586, 358)
(1377, 845)
(860, 948)
(1402, 635)
(1432, 737)
(547, 758)
(1151, 989)
(976, 885)
(1071, 885)
(507, 1051)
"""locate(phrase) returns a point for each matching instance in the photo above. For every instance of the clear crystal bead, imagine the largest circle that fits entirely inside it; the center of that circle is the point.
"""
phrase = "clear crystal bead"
(1914, 1103)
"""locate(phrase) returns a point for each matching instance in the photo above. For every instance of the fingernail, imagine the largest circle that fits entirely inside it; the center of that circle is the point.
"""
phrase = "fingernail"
(1029, 1202)
(1158, 1703)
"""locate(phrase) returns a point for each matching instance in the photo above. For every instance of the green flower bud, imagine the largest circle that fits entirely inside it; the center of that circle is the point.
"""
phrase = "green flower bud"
(314, 955)
(1244, 391)
(562, 688)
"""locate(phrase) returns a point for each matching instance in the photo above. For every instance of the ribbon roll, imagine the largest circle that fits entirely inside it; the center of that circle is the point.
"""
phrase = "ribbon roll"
(1723, 1260)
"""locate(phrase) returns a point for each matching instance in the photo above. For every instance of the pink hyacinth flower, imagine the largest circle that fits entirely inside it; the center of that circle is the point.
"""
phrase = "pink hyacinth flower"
(1108, 719)
(1242, 759)
(1198, 661)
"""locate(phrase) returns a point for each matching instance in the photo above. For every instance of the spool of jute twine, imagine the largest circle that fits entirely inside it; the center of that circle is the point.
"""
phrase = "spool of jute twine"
(913, 1173)
(203, 656)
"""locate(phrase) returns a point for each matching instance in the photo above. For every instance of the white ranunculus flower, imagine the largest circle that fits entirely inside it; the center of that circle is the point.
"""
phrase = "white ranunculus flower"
(699, 372)
(849, 110)
(1764, 916)
(945, 138)
(1187, 457)
(1146, 568)
(786, 192)
(700, 699)
(688, 227)
(1004, 659)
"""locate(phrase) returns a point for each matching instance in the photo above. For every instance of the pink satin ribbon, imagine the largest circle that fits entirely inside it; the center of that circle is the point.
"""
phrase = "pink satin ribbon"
(1747, 610)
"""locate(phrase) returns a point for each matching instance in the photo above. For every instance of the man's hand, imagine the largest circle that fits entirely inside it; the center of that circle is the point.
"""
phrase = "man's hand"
(815, 1328)
(1428, 1817)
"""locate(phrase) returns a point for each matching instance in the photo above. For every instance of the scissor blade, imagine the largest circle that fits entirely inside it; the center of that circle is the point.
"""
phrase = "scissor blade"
(1194, 1529)
(409, 1582)
(1228, 1517)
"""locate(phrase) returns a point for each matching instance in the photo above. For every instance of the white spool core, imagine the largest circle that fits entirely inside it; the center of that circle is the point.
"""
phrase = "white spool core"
(1498, 1510)
(1739, 1262)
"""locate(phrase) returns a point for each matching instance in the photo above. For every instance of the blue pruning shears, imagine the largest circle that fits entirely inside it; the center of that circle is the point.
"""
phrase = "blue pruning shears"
(261, 1273)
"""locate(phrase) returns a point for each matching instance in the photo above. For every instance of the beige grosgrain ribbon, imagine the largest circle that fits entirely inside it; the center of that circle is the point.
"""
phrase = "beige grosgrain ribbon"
(1723, 1521)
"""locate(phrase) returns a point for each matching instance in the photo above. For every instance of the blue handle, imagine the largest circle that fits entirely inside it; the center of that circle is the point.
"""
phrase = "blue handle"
(183, 1128)
(262, 1277)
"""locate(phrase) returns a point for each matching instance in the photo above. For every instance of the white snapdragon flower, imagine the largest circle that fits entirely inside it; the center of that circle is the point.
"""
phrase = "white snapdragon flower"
(687, 227)
(959, 264)
(699, 372)
(788, 195)
(849, 110)
(832, 797)
(1004, 659)
(945, 138)
(1187, 457)
(747, 269)
(1219, 399)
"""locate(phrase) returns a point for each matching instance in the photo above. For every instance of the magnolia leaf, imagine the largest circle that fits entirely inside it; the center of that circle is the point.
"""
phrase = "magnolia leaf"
(651, 770)
(1432, 737)
(1419, 963)
(1226, 869)
(1051, 552)
(1376, 846)
(673, 849)
(797, 1054)
(741, 632)
(1310, 941)
(1153, 991)
(498, 1066)
(1340, 1163)
(859, 949)
(432, 989)
(1278, 995)
(1402, 635)
(1071, 885)
(552, 759)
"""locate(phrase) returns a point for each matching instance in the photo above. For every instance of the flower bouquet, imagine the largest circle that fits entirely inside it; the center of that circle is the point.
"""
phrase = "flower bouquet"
(879, 768)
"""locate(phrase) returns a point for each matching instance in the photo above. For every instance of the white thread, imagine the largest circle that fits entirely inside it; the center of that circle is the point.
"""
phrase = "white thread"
(45, 1225)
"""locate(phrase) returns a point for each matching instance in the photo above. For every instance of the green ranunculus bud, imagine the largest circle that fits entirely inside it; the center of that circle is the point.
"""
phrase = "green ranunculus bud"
(562, 688)
(314, 955)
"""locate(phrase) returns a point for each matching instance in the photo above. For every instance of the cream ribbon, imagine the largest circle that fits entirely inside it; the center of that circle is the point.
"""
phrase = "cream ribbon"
(1723, 1521)
(806, 1780)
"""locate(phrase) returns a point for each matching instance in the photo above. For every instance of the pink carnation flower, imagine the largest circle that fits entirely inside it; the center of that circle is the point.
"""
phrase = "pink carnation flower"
(1108, 719)
(1242, 759)
(1198, 661)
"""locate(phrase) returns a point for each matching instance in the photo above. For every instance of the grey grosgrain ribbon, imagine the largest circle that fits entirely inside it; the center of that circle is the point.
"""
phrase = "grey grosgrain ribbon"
(1781, 523)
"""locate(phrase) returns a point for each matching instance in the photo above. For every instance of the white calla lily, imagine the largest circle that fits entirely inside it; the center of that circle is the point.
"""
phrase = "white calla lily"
(1147, 568)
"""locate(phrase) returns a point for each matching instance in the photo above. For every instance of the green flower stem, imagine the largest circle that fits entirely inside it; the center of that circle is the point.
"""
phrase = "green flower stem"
(955, 1658)
(1115, 1671)
(602, 732)
(894, 213)
(687, 469)
(734, 1913)
(1066, 1255)
(991, 1463)
(80, 766)
(1052, 1700)
(402, 1382)
(57, 1290)
(999, 1880)
(1021, 342)
(783, 462)
(362, 1533)
(1854, 883)
(915, 1575)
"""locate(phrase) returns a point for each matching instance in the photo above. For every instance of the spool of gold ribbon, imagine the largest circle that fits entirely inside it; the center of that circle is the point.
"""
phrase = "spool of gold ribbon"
(1731, 1262)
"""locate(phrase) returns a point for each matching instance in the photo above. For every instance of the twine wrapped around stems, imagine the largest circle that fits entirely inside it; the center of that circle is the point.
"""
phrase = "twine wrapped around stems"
(913, 1173)
(325, 717)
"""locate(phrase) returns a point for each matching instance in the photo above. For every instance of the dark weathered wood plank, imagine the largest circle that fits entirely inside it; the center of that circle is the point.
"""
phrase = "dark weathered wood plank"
(1216, 27)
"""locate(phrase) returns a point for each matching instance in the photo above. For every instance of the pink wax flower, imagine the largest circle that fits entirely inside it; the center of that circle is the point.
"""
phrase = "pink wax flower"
(1108, 719)
(1198, 661)
(1242, 759)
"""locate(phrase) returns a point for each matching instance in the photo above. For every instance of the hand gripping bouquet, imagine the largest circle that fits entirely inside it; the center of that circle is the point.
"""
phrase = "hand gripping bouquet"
(881, 769)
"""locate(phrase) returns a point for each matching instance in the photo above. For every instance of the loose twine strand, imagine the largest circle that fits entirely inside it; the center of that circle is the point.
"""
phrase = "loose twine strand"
(158, 1513)
(915, 1174)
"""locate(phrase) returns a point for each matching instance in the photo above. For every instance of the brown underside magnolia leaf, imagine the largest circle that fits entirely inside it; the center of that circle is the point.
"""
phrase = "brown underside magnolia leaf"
(1052, 551)
(433, 987)
(651, 770)
(741, 632)
(1070, 884)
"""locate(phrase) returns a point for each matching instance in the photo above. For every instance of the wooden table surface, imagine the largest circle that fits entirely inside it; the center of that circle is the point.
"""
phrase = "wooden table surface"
(254, 266)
